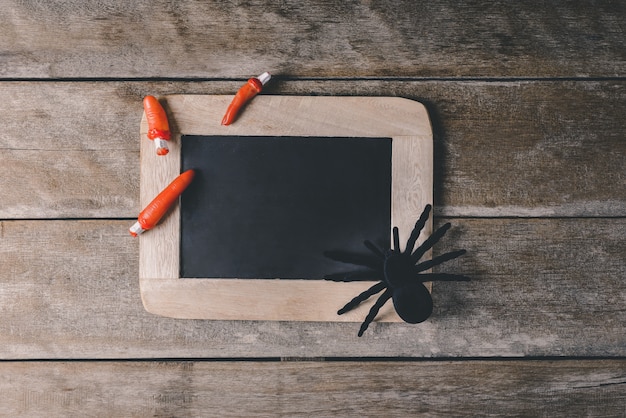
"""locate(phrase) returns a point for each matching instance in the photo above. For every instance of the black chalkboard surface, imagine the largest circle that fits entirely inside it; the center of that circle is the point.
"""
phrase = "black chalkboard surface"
(268, 207)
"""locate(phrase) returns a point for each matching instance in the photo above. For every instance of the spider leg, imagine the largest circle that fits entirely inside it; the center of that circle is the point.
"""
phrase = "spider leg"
(430, 242)
(374, 311)
(374, 248)
(419, 225)
(396, 240)
(359, 259)
(353, 276)
(425, 265)
(360, 298)
(442, 277)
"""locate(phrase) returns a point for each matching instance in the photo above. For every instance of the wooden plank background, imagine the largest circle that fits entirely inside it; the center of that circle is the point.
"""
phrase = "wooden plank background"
(527, 103)
(200, 388)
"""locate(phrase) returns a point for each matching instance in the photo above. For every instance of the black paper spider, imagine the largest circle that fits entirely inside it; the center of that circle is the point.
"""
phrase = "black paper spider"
(400, 276)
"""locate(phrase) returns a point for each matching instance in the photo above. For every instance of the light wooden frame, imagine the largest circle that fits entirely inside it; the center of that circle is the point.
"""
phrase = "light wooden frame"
(163, 292)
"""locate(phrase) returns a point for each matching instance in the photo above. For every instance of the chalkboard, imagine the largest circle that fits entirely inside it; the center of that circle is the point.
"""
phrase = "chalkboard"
(292, 177)
(268, 207)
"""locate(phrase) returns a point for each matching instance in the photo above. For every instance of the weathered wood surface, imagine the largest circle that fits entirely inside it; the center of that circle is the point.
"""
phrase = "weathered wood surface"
(542, 287)
(527, 101)
(541, 148)
(355, 389)
(442, 38)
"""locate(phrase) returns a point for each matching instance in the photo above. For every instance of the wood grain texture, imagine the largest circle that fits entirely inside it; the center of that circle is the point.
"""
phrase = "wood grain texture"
(534, 148)
(61, 183)
(314, 39)
(527, 101)
(355, 389)
(541, 287)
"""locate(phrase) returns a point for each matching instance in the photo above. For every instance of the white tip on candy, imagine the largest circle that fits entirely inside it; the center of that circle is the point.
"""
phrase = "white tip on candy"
(136, 229)
(264, 78)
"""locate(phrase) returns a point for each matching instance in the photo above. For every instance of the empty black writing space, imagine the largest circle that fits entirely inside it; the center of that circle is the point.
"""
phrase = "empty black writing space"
(268, 207)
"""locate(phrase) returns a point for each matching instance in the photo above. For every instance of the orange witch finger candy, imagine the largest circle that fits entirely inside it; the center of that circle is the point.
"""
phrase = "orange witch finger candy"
(153, 213)
(244, 95)
(158, 126)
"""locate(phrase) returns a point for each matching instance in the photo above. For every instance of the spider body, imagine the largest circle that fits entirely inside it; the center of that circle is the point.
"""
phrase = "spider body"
(411, 299)
(400, 276)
